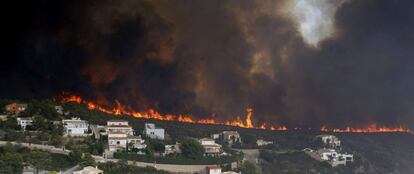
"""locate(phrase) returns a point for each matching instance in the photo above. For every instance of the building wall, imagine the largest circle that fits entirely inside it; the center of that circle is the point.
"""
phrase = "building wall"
(72, 127)
(24, 122)
(76, 131)
(207, 142)
(156, 133)
(127, 130)
(214, 171)
(212, 150)
(120, 135)
(117, 123)
(115, 144)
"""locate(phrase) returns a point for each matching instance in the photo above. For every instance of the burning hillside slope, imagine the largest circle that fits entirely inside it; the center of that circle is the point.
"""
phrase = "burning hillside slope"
(121, 109)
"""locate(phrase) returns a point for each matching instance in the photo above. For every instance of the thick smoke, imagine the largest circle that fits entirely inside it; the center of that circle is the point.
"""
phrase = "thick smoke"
(351, 67)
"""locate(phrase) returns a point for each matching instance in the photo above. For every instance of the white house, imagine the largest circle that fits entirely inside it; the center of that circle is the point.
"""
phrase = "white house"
(117, 123)
(118, 141)
(330, 140)
(89, 170)
(333, 157)
(347, 157)
(23, 122)
(213, 170)
(327, 154)
(119, 126)
(173, 148)
(231, 137)
(210, 146)
(154, 132)
(121, 136)
(215, 136)
(75, 127)
(261, 142)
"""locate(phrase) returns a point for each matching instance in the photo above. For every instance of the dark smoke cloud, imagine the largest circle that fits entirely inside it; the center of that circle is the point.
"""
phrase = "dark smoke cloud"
(204, 57)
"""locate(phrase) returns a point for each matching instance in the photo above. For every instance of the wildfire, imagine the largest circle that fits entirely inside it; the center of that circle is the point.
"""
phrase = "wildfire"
(249, 123)
(120, 109)
(324, 129)
(370, 129)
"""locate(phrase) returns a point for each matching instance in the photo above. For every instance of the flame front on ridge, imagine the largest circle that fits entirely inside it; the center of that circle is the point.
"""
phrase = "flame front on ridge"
(120, 109)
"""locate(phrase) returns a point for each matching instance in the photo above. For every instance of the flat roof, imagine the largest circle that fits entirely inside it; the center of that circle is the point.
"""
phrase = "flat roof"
(231, 132)
(117, 133)
(117, 120)
(119, 126)
(213, 167)
(211, 145)
(25, 118)
(117, 138)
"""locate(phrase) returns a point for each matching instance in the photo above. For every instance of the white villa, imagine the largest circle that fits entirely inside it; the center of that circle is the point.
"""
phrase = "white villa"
(231, 137)
(119, 126)
(333, 157)
(215, 136)
(117, 141)
(210, 146)
(75, 127)
(23, 122)
(330, 140)
(154, 132)
(326, 154)
(121, 136)
(173, 148)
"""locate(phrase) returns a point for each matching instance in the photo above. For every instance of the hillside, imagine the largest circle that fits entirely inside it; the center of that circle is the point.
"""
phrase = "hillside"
(374, 152)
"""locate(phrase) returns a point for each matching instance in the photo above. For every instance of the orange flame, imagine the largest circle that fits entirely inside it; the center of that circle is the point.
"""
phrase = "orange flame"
(249, 123)
(279, 128)
(120, 109)
(372, 128)
(324, 129)
(71, 98)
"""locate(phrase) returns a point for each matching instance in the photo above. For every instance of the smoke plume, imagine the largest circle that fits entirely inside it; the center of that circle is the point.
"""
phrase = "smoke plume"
(298, 63)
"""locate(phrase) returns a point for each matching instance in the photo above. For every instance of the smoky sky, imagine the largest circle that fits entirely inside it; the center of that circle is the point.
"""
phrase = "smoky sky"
(349, 62)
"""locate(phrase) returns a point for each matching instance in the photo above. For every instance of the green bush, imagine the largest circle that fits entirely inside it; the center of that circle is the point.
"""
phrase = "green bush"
(87, 160)
(191, 148)
(60, 162)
